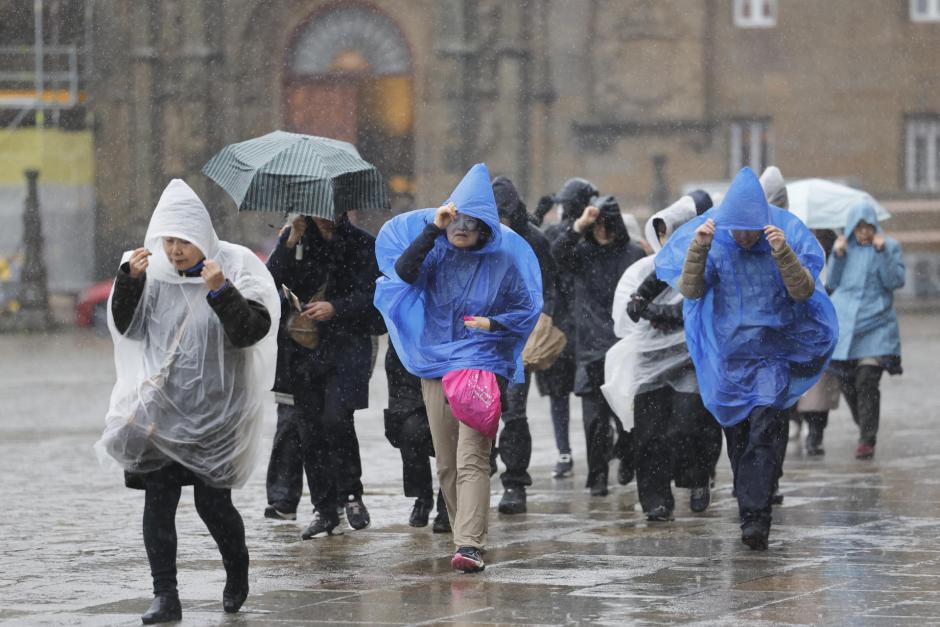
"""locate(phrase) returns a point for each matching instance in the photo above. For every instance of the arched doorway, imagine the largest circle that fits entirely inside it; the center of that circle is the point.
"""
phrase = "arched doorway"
(349, 76)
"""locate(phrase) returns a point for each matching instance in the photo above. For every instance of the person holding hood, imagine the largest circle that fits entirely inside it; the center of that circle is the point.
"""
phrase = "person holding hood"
(322, 375)
(596, 249)
(194, 348)
(515, 440)
(650, 380)
(865, 269)
(759, 329)
(460, 292)
(557, 382)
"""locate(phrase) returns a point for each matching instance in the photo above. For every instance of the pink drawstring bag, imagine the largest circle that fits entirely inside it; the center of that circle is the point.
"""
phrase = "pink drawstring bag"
(474, 399)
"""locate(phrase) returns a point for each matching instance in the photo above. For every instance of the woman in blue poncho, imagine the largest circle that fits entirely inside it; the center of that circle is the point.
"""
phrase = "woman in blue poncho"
(864, 270)
(759, 329)
(460, 291)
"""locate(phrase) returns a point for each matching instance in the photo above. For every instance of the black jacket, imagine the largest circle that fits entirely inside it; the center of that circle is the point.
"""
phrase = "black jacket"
(346, 266)
(244, 321)
(511, 208)
(596, 270)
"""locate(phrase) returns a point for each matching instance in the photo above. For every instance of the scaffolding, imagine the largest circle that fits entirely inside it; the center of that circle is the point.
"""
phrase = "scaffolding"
(40, 78)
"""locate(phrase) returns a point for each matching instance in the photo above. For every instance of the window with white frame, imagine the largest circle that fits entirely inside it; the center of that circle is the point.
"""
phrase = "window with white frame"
(756, 13)
(922, 154)
(925, 10)
(751, 145)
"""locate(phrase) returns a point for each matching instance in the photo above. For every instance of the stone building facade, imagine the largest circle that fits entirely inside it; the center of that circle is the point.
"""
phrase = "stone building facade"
(641, 96)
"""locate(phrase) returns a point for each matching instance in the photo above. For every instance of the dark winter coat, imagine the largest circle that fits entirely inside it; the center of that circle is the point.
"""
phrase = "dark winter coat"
(596, 270)
(511, 207)
(346, 266)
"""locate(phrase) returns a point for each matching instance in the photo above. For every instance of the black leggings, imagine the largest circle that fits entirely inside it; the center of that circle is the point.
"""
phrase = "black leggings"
(214, 506)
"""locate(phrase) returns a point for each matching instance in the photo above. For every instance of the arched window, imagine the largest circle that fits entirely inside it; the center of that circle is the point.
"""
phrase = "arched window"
(349, 76)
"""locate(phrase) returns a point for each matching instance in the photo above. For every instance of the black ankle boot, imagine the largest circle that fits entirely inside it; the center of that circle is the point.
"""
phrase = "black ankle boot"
(236, 586)
(755, 534)
(164, 609)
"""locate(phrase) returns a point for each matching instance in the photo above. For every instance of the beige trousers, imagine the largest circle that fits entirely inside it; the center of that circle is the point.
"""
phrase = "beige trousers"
(462, 456)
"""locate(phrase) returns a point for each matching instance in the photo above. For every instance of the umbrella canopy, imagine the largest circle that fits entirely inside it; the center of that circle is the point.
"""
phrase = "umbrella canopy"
(822, 204)
(291, 173)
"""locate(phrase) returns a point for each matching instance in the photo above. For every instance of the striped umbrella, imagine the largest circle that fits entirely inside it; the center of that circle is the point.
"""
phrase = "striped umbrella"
(291, 173)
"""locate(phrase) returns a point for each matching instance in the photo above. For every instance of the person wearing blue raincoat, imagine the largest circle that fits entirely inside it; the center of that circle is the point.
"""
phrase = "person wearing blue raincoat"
(864, 270)
(459, 291)
(759, 329)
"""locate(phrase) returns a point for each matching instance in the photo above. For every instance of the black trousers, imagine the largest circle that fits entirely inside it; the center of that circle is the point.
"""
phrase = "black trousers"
(675, 439)
(756, 449)
(410, 432)
(285, 481)
(515, 440)
(860, 387)
(215, 508)
(598, 435)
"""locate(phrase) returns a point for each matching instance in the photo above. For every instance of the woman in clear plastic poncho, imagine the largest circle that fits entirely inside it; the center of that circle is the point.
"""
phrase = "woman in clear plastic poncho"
(758, 327)
(650, 381)
(460, 291)
(194, 352)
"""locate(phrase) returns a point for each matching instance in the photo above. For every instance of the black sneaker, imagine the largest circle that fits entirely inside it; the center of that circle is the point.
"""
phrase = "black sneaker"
(513, 501)
(322, 526)
(164, 609)
(659, 514)
(420, 512)
(467, 559)
(356, 513)
(700, 499)
(442, 520)
(564, 466)
(274, 513)
(754, 534)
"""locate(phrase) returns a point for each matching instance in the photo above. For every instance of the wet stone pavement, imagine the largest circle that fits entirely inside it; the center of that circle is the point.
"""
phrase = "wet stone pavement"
(854, 543)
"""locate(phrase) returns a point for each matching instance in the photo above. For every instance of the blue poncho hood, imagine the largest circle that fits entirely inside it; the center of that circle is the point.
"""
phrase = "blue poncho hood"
(752, 345)
(501, 280)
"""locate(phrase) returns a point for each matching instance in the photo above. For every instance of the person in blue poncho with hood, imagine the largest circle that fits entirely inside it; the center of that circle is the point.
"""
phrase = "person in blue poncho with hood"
(864, 270)
(460, 291)
(759, 329)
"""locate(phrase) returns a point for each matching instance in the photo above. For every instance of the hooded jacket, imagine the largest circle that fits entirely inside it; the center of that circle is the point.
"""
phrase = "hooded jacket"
(345, 266)
(511, 207)
(864, 280)
(596, 270)
(193, 367)
(775, 188)
(752, 344)
(424, 311)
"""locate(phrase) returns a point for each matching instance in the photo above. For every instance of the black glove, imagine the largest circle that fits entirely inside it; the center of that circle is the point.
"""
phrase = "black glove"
(665, 318)
(545, 205)
(636, 307)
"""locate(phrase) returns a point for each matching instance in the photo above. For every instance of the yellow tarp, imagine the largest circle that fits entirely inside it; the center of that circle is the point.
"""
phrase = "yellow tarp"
(65, 157)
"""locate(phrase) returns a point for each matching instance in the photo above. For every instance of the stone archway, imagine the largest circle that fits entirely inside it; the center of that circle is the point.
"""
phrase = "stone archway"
(349, 76)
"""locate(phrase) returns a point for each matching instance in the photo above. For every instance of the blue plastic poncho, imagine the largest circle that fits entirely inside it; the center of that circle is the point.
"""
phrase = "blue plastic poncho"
(500, 281)
(752, 345)
(864, 281)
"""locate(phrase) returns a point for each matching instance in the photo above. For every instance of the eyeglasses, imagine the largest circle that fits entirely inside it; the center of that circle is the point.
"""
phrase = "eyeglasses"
(464, 223)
